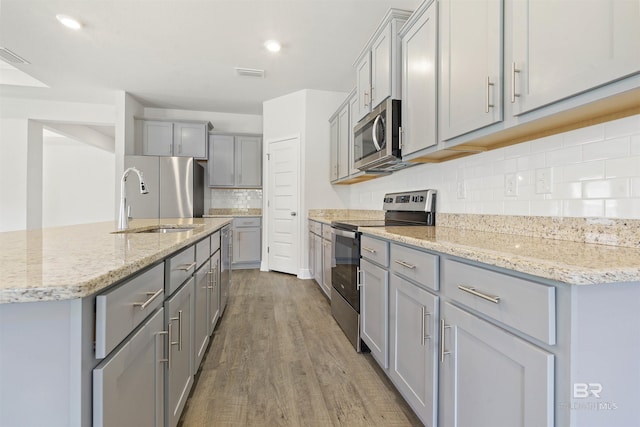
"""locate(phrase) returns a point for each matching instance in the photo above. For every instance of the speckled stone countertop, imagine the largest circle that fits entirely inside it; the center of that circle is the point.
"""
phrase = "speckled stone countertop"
(76, 261)
(232, 212)
(564, 261)
(325, 216)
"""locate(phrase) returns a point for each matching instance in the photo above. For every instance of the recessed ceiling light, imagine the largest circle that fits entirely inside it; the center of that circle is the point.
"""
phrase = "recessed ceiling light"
(68, 21)
(272, 45)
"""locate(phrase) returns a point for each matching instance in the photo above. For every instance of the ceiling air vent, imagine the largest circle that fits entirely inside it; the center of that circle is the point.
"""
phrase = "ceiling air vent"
(11, 57)
(249, 72)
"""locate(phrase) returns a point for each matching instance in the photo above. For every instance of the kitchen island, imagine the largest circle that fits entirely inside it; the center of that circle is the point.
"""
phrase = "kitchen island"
(50, 334)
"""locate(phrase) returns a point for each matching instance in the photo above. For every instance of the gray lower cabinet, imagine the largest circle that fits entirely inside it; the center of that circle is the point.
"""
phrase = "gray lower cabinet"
(490, 377)
(226, 253)
(128, 386)
(327, 260)
(203, 281)
(178, 318)
(317, 253)
(247, 242)
(413, 314)
(374, 310)
(213, 298)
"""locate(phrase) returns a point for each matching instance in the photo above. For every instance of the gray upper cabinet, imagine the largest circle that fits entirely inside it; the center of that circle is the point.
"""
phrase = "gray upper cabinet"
(235, 161)
(378, 66)
(341, 147)
(334, 135)
(353, 102)
(470, 36)
(490, 377)
(165, 138)
(549, 55)
(419, 88)
(343, 142)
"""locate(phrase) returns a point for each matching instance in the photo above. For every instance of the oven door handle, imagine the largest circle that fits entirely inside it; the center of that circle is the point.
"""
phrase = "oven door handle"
(343, 233)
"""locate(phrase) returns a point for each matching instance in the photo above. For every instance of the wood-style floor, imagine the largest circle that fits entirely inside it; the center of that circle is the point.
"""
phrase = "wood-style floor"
(278, 358)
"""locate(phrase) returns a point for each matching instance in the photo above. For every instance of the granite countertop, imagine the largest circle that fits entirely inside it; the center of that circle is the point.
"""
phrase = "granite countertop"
(325, 216)
(233, 212)
(71, 262)
(564, 261)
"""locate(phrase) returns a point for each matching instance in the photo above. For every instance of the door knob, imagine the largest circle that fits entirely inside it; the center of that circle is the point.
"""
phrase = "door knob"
(293, 214)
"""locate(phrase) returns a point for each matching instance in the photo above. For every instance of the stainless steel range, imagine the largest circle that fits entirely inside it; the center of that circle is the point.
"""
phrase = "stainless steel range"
(408, 208)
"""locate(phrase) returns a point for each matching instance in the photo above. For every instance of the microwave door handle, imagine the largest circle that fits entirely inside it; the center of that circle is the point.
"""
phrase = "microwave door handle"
(373, 132)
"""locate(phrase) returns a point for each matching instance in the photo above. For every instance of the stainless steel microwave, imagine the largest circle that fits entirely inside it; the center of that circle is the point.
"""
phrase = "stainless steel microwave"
(377, 139)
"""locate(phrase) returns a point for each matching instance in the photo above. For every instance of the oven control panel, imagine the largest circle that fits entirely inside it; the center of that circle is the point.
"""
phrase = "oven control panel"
(422, 200)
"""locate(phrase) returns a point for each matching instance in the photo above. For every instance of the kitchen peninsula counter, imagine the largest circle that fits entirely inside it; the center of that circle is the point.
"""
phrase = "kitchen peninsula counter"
(568, 262)
(62, 263)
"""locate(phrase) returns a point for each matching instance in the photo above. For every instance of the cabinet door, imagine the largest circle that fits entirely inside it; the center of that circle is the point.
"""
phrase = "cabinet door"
(334, 136)
(246, 245)
(562, 48)
(221, 164)
(201, 323)
(312, 256)
(353, 102)
(419, 111)
(414, 344)
(128, 387)
(178, 312)
(248, 161)
(374, 309)
(363, 86)
(157, 138)
(381, 51)
(343, 142)
(317, 243)
(213, 306)
(491, 377)
(190, 140)
(470, 36)
(327, 260)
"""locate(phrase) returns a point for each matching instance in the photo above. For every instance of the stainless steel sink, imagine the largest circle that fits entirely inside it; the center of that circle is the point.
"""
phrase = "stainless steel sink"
(159, 229)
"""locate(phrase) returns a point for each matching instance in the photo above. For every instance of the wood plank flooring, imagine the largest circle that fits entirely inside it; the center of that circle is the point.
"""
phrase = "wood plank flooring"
(278, 358)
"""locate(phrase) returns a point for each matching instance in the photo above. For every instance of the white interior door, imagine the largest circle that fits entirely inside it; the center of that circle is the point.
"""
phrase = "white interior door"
(283, 216)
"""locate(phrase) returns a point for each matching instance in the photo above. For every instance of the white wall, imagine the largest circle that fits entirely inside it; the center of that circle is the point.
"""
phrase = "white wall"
(77, 183)
(21, 153)
(595, 172)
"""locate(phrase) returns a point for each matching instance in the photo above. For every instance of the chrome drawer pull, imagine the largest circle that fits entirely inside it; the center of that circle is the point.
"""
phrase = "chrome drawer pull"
(404, 264)
(443, 352)
(187, 267)
(168, 359)
(468, 289)
(371, 251)
(423, 333)
(152, 296)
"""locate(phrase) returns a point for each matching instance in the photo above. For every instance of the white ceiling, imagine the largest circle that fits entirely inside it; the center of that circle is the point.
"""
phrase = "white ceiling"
(182, 53)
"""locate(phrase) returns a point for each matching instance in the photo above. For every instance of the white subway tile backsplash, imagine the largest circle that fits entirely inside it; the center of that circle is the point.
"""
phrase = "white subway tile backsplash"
(626, 126)
(583, 135)
(622, 208)
(516, 207)
(635, 187)
(583, 208)
(608, 149)
(546, 144)
(583, 171)
(567, 190)
(606, 189)
(545, 207)
(635, 144)
(563, 156)
(533, 161)
(517, 150)
(625, 166)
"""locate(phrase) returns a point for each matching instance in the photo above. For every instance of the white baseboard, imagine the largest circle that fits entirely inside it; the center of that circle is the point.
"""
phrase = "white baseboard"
(305, 274)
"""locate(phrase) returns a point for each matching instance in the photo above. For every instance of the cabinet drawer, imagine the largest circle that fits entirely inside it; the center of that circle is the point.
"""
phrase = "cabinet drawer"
(128, 387)
(416, 265)
(247, 222)
(326, 231)
(215, 242)
(315, 227)
(180, 267)
(522, 304)
(375, 250)
(120, 310)
(203, 252)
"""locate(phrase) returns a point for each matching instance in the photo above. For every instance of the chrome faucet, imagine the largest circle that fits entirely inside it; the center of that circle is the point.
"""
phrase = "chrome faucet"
(123, 217)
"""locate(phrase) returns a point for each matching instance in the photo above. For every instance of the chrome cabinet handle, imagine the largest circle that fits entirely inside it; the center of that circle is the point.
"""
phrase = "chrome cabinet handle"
(152, 296)
(404, 264)
(186, 267)
(372, 94)
(179, 330)
(293, 213)
(488, 94)
(210, 285)
(366, 95)
(359, 278)
(423, 330)
(514, 70)
(443, 352)
(468, 289)
(371, 251)
(170, 338)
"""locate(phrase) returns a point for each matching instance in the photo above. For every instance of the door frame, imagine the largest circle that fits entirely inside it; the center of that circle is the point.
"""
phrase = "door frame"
(264, 265)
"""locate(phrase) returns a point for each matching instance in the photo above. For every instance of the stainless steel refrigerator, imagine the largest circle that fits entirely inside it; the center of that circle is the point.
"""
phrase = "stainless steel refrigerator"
(175, 184)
